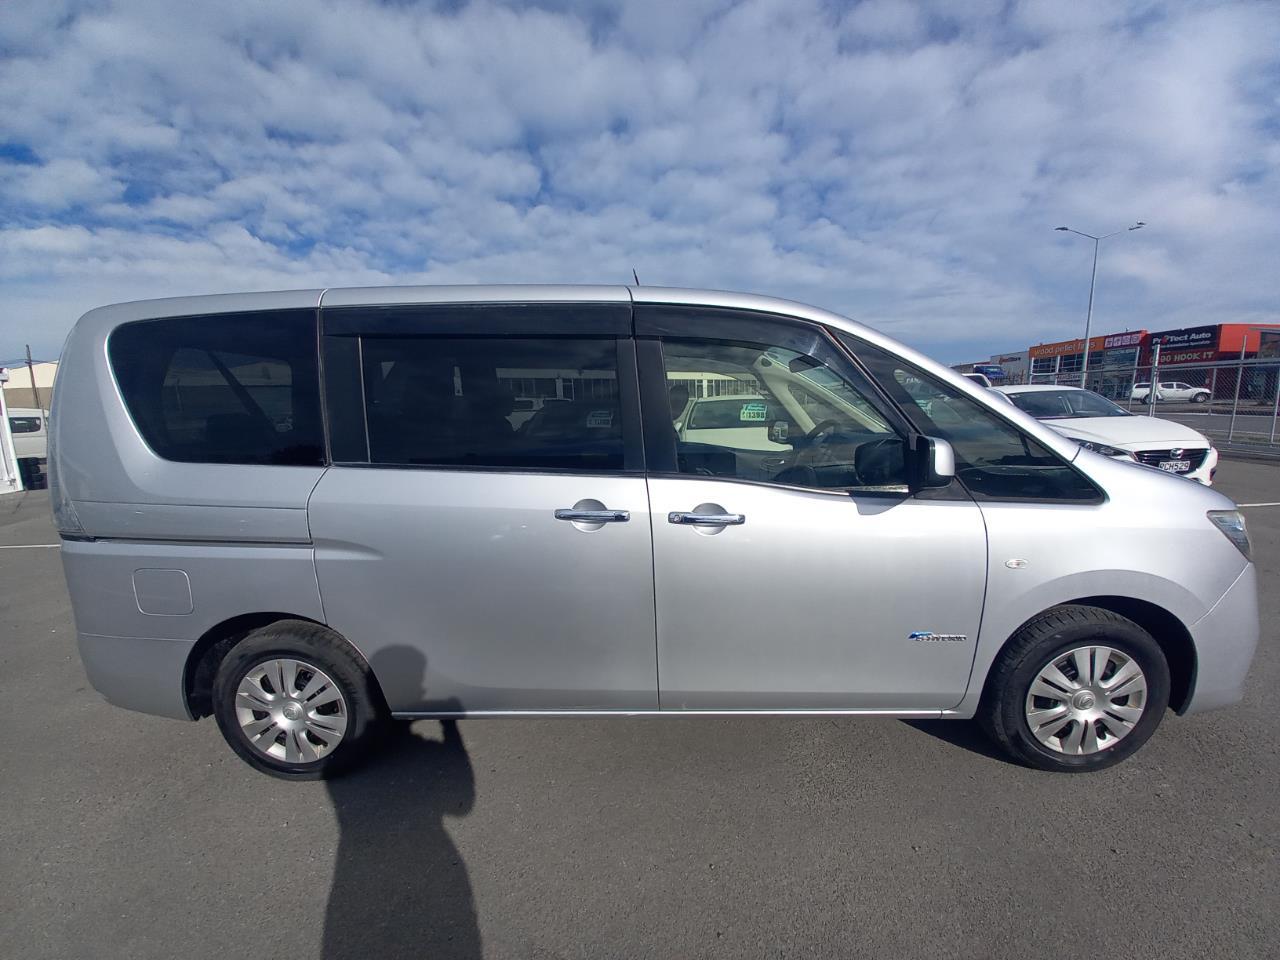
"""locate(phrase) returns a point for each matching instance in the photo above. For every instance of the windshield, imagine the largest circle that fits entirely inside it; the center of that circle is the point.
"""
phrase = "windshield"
(1066, 404)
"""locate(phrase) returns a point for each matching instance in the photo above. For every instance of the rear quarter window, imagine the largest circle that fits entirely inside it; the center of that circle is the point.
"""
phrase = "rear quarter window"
(235, 388)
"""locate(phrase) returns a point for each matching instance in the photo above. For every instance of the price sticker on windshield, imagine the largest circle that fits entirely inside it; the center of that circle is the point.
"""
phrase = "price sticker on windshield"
(754, 412)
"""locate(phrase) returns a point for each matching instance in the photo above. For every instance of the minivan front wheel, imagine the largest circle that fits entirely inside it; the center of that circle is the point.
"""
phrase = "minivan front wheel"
(1078, 688)
(294, 700)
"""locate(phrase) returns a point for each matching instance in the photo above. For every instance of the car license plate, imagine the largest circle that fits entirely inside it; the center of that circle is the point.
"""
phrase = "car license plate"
(1175, 466)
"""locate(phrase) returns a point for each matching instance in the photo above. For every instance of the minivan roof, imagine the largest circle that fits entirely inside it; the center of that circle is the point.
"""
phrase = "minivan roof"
(115, 314)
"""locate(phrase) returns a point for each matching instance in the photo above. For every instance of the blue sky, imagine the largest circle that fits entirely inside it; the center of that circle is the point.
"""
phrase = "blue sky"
(902, 163)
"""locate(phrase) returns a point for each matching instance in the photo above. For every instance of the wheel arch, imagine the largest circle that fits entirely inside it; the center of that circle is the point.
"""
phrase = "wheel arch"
(1165, 628)
(208, 652)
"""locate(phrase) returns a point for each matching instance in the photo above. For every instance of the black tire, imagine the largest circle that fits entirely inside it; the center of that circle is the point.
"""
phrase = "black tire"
(1051, 634)
(1199, 398)
(326, 650)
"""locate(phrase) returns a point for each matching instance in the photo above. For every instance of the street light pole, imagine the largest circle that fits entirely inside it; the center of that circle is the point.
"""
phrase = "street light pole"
(1088, 318)
(1093, 277)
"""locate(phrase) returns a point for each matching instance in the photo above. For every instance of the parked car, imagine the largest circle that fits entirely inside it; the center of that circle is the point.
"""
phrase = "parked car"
(524, 409)
(1100, 425)
(979, 378)
(305, 543)
(29, 426)
(739, 422)
(1170, 391)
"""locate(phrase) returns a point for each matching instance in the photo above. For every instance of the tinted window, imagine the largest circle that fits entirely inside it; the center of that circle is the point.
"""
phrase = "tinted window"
(994, 459)
(493, 402)
(235, 388)
(770, 414)
(1063, 404)
(24, 424)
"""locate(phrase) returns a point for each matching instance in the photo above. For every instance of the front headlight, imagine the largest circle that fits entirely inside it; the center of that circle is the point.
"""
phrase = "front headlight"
(1231, 523)
(1105, 450)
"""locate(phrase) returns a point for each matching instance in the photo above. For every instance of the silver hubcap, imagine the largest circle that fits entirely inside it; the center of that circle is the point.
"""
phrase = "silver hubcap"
(291, 711)
(1086, 700)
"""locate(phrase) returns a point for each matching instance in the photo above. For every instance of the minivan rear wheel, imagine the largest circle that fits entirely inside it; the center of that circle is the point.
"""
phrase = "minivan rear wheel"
(1076, 689)
(296, 701)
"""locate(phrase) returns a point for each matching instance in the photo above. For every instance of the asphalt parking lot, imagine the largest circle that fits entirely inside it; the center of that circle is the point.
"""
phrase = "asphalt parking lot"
(131, 836)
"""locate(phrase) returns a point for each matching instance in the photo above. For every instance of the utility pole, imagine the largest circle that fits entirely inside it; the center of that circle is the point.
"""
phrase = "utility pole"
(31, 372)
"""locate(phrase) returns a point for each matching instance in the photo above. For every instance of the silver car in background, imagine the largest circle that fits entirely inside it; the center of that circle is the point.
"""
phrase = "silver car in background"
(307, 513)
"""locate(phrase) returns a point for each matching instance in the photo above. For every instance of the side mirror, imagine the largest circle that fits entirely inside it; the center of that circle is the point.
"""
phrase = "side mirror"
(778, 431)
(935, 463)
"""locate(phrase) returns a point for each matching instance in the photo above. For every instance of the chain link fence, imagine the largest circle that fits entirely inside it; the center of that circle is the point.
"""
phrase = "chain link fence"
(1234, 402)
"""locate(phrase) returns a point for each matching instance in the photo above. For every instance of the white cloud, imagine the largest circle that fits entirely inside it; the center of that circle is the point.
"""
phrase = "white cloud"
(887, 160)
(58, 184)
(884, 21)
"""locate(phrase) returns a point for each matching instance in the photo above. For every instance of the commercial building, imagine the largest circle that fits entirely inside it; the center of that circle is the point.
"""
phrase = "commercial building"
(1135, 348)
(1205, 344)
(1067, 356)
(1269, 344)
(1193, 354)
(1112, 359)
(26, 383)
(1117, 360)
(1014, 367)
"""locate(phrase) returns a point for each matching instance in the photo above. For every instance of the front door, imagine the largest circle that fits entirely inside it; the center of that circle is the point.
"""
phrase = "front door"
(793, 569)
(486, 545)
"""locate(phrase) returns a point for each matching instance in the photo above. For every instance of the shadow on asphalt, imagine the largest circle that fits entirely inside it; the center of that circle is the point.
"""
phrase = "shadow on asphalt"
(965, 734)
(400, 888)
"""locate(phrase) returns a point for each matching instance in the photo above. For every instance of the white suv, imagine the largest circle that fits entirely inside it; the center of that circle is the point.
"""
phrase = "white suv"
(1171, 391)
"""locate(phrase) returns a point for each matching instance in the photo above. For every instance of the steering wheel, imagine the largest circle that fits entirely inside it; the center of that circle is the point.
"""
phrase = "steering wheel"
(811, 444)
(810, 454)
(821, 427)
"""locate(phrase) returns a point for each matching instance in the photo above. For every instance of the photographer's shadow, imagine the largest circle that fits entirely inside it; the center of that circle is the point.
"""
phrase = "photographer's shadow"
(400, 888)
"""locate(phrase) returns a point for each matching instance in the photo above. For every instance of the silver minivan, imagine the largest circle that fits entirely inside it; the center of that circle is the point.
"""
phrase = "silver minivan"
(307, 513)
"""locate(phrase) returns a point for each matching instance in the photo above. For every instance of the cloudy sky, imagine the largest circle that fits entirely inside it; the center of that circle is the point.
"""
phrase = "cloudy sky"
(896, 162)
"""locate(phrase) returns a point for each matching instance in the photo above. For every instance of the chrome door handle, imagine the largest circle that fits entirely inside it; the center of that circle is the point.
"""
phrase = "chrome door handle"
(594, 516)
(707, 519)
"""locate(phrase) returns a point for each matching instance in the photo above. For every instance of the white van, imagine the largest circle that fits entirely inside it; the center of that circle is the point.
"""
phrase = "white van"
(30, 428)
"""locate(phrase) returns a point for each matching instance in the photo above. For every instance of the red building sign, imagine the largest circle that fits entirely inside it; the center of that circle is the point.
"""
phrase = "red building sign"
(1218, 341)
